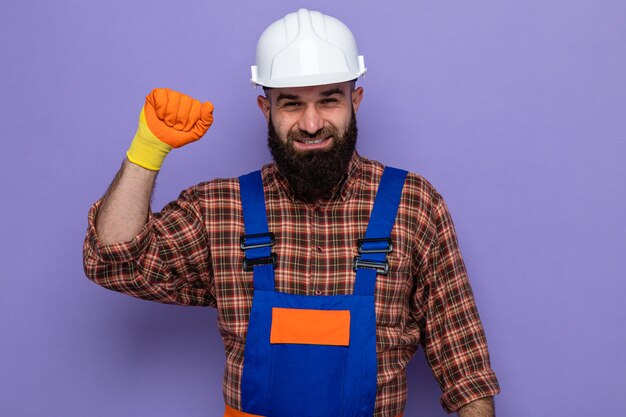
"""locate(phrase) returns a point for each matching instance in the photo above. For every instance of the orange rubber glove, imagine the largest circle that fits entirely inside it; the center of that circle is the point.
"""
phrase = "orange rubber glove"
(169, 119)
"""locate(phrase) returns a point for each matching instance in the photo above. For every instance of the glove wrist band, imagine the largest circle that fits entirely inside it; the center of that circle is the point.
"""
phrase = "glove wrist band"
(146, 150)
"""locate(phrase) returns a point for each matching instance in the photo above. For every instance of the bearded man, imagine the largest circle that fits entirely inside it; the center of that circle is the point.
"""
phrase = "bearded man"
(328, 270)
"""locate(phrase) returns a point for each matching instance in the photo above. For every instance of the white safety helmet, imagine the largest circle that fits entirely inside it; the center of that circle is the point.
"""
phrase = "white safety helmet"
(306, 48)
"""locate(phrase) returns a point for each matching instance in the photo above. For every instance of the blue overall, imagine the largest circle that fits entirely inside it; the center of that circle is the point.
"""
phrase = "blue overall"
(313, 380)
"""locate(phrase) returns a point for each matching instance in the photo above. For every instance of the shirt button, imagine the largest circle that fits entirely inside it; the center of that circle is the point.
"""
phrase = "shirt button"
(318, 291)
(320, 249)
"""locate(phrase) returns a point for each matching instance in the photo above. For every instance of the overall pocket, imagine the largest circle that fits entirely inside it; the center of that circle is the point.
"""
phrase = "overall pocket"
(308, 359)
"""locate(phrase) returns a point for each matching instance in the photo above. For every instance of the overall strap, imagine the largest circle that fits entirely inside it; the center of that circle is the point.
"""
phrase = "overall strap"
(257, 241)
(376, 244)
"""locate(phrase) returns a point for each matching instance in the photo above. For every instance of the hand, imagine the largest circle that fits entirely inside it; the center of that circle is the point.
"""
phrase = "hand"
(176, 118)
(169, 119)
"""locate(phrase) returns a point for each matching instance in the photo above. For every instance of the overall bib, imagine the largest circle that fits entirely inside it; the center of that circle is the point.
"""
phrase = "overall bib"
(312, 356)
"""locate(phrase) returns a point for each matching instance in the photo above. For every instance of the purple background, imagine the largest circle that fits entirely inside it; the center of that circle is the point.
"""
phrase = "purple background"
(515, 111)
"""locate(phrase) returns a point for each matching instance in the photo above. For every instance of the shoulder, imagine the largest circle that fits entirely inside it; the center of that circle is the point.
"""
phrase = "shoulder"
(215, 189)
(223, 193)
(418, 193)
(417, 217)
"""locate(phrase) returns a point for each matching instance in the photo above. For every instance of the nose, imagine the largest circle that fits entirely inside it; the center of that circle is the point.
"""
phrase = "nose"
(311, 121)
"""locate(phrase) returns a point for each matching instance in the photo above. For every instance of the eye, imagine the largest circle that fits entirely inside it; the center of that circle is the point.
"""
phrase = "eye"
(291, 104)
(329, 101)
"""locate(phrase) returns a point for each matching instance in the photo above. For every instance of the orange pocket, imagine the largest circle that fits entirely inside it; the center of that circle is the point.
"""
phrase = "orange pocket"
(310, 327)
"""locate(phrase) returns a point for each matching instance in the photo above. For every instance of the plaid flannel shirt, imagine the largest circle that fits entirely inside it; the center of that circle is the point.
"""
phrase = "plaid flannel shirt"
(189, 254)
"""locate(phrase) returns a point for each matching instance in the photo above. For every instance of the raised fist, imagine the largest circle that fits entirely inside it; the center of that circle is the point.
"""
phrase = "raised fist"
(169, 119)
(176, 118)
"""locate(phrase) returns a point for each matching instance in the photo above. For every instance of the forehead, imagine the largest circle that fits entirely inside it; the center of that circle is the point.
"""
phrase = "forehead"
(310, 92)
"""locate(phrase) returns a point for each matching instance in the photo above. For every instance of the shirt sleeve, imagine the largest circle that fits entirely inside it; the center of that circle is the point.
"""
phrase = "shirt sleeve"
(168, 261)
(452, 333)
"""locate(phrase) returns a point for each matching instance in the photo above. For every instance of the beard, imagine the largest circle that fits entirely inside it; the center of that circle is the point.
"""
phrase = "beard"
(314, 175)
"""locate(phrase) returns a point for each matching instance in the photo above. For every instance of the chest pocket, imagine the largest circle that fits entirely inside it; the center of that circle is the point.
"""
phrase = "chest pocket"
(311, 346)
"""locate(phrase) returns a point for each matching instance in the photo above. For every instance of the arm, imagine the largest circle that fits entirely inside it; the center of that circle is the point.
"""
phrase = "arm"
(168, 120)
(452, 333)
(125, 206)
(164, 256)
(479, 408)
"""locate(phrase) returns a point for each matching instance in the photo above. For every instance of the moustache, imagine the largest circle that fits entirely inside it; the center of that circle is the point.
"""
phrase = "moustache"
(304, 136)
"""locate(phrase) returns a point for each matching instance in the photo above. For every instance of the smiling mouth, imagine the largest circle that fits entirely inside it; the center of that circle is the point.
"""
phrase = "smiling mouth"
(313, 142)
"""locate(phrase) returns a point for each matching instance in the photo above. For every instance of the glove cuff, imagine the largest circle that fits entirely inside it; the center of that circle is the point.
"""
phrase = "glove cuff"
(146, 150)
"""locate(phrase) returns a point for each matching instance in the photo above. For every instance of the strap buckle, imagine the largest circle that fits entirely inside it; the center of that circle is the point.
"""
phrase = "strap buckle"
(387, 240)
(249, 264)
(263, 240)
(244, 246)
(381, 267)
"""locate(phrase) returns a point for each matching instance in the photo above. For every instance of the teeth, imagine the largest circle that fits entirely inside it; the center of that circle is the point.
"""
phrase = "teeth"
(313, 142)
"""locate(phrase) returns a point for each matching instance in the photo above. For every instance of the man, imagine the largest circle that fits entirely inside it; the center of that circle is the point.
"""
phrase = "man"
(328, 270)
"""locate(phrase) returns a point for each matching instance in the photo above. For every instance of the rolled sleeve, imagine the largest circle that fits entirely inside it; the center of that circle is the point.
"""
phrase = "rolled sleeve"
(116, 252)
(473, 387)
(452, 333)
(167, 261)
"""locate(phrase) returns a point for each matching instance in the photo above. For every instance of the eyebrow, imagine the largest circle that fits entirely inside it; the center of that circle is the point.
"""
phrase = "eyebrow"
(331, 92)
(283, 96)
(327, 93)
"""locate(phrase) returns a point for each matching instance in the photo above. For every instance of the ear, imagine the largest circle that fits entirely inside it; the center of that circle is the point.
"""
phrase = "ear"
(264, 105)
(357, 96)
